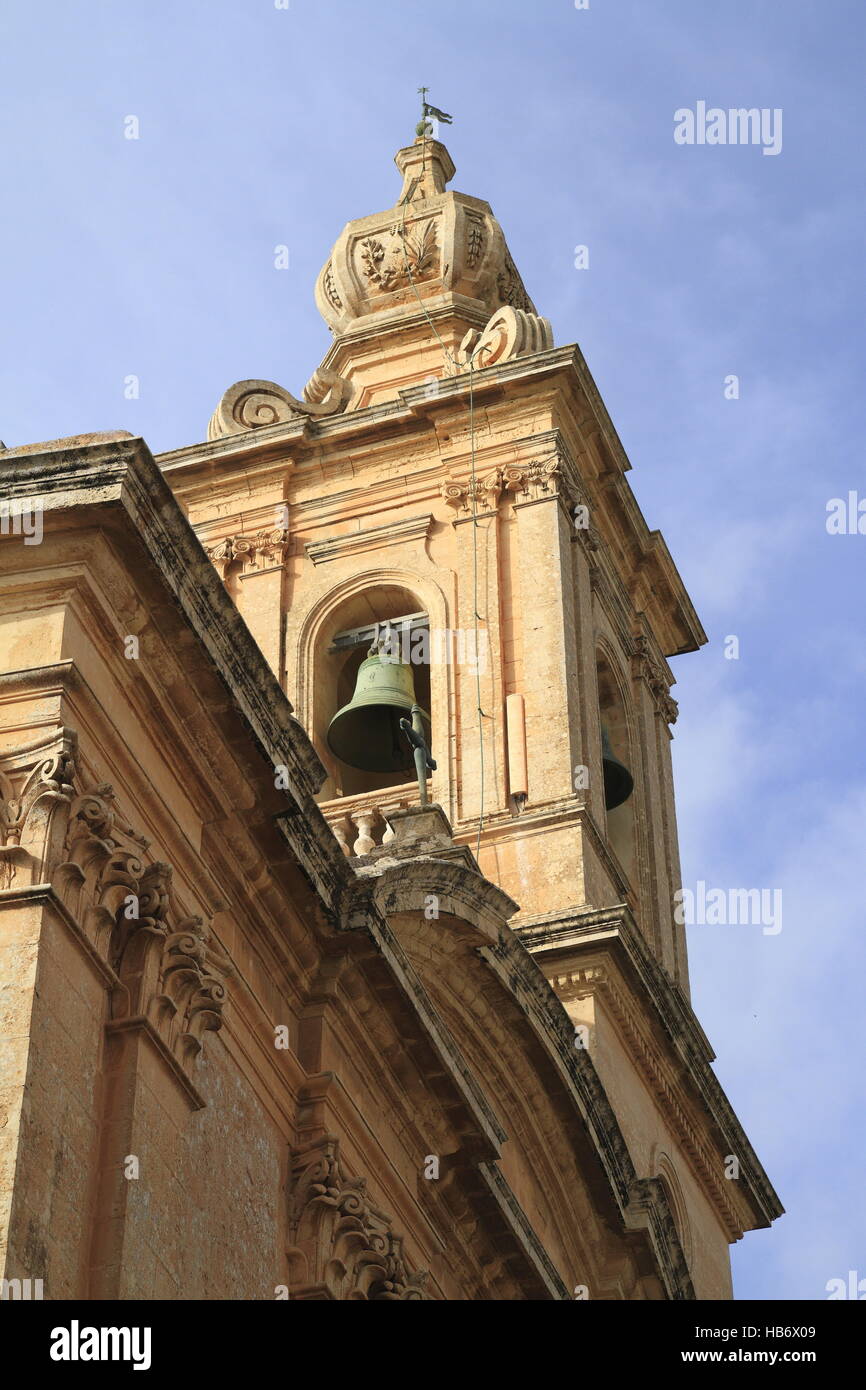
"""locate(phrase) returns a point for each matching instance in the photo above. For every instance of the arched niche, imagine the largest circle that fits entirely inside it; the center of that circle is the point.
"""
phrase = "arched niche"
(667, 1175)
(615, 718)
(335, 670)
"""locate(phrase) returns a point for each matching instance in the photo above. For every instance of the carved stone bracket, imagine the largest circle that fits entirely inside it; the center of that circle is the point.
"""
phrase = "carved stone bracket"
(647, 665)
(342, 1246)
(170, 971)
(253, 404)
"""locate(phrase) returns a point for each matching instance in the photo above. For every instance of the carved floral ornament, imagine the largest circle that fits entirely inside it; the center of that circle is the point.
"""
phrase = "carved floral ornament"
(411, 255)
(342, 1246)
(168, 970)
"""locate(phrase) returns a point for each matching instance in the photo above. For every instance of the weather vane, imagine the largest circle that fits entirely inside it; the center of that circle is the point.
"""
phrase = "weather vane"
(425, 125)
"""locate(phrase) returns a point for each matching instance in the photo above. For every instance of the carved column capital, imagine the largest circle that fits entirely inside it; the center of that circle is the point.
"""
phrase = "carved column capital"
(484, 488)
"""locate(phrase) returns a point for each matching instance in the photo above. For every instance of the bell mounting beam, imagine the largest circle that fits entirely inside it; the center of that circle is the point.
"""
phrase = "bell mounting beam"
(363, 636)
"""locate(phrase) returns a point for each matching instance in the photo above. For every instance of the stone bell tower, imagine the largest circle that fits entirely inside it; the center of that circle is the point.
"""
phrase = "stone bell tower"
(450, 472)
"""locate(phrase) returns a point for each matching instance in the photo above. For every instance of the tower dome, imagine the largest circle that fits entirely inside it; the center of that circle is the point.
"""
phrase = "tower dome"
(419, 281)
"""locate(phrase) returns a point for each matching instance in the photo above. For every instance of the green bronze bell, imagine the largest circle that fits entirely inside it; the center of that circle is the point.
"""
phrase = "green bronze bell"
(366, 732)
(618, 781)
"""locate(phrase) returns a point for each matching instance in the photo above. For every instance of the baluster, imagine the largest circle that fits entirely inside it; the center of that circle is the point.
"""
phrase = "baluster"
(340, 831)
(365, 841)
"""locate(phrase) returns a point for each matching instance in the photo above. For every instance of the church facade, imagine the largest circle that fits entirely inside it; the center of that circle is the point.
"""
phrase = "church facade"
(280, 1021)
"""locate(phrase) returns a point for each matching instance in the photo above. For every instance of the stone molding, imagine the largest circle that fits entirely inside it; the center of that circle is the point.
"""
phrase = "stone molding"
(411, 531)
(620, 967)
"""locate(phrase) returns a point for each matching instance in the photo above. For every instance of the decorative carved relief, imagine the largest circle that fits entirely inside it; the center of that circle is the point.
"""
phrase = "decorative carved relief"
(331, 289)
(171, 972)
(342, 1246)
(540, 478)
(261, 551)
(253, 404)
(35, 792)
(510, 287)
(647, 665)
(509, 333)
(474, 240)
(408, 258)
(485, 490)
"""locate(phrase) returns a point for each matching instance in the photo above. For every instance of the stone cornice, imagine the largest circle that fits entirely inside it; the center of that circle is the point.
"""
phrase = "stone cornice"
(383, 420)
(522, 1229)
(651, 998)
(120, 482)
(523, 980)
(406, 531)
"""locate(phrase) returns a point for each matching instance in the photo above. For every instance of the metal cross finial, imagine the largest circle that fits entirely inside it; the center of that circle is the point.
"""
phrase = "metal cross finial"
(423, 762)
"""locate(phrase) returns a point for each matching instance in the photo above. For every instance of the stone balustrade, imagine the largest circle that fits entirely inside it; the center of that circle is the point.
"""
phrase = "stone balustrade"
(360, 823)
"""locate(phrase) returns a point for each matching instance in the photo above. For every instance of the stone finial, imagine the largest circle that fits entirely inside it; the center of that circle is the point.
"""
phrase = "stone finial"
(426, 167)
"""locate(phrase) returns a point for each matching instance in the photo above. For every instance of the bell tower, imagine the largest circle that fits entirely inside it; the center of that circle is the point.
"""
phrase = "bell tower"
(451, 478)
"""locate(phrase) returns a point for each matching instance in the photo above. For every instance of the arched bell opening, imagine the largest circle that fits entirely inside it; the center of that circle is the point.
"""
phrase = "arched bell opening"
(359, 698)
(617, 765)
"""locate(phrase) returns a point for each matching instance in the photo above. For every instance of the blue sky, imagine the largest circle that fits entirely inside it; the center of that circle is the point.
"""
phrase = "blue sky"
(261, 127)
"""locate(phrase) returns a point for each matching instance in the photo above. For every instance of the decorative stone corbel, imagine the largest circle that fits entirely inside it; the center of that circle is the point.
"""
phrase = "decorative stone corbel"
(170, 973)
(35, 793)
(651, 668)
(341, 1246)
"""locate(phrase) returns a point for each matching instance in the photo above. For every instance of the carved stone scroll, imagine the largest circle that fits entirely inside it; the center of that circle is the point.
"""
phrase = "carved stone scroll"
(511, 332)
(253, 404)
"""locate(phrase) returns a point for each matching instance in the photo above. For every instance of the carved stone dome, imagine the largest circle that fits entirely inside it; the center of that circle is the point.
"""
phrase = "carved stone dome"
(445, 249)
(411, 295)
